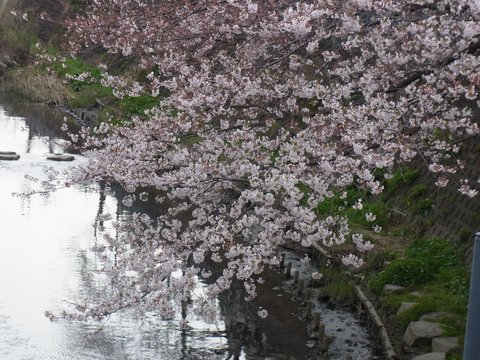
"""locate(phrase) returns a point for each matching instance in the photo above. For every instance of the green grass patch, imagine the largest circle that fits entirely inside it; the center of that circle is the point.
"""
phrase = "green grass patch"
(424, 259)
(138, 105)
(88, 95)
(358, 218)
(75, 67)
(434, 298)
(342, 204)
(339, 202)
(438, 253)
(87, 91)
(19, 39)
(403, 272)
(84, 92)
(400, 178)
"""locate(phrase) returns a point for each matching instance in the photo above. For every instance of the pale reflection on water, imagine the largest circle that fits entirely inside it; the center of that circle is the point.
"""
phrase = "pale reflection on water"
(45, 259)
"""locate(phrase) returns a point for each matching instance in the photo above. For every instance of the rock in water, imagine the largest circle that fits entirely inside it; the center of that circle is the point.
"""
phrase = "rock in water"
(9, 155)
(61, 157)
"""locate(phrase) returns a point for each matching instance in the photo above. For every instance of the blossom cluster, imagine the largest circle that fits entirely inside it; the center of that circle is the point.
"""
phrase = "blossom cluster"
(275, 94)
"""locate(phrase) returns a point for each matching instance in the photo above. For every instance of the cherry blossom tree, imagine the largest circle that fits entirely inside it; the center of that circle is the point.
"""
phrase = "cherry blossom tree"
(272, 108)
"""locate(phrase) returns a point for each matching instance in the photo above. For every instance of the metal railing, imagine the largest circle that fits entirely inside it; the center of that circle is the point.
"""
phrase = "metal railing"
(471, 350)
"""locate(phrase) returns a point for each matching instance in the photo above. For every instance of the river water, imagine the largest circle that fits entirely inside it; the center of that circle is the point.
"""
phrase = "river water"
(45, 261)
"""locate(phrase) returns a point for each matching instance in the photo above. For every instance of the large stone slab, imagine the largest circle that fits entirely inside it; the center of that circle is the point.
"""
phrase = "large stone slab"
(421, 332)
(432, 356)
(61, 157)
(9, 155)
(445, 344)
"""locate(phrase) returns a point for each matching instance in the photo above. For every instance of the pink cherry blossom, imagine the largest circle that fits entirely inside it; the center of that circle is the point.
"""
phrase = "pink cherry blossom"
(278, 96)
